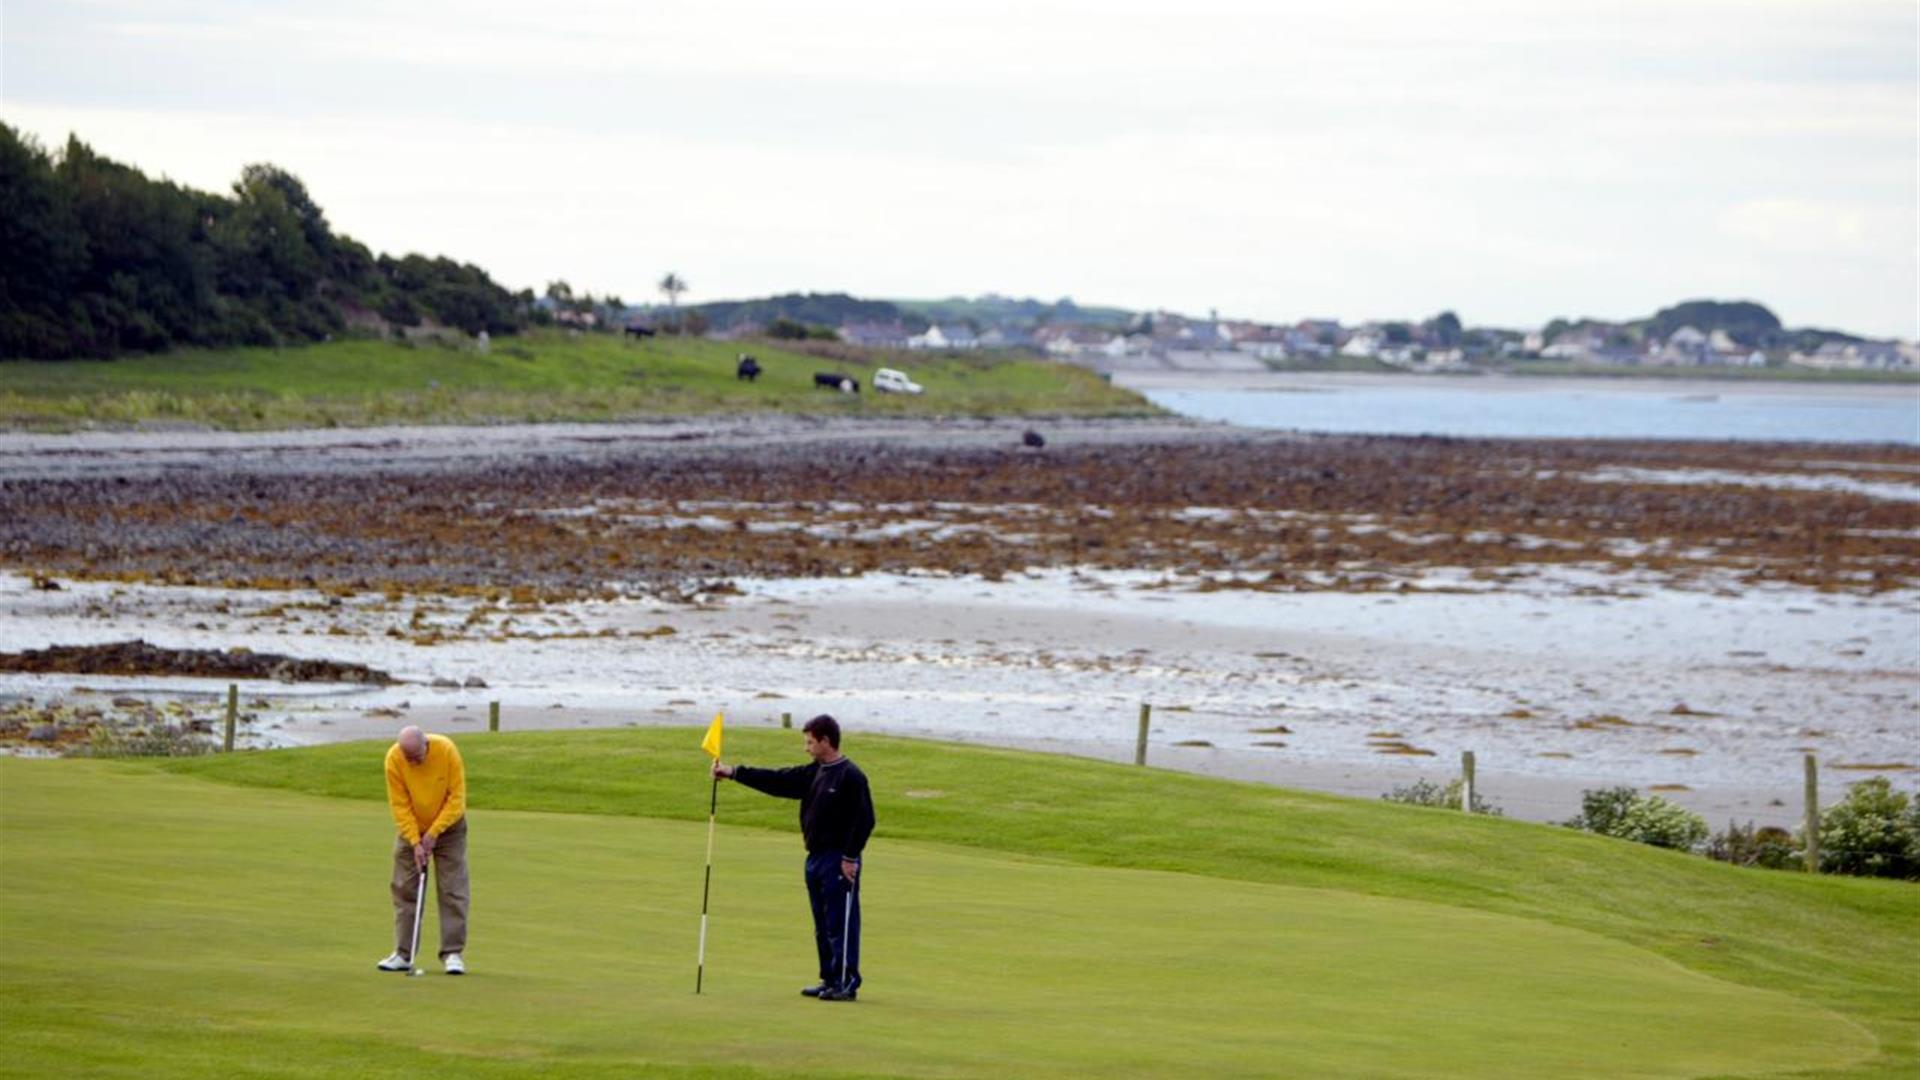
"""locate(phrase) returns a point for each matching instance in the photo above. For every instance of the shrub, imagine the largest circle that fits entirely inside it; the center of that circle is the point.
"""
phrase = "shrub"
(1602, 811)
(785, 329)
(1428, 793)
(1874, 833)
(1769, 847)
(1661, 823)
(1626, 814)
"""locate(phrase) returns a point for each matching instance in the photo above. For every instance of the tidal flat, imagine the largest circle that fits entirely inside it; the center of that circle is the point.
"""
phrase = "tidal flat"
(1340, 613)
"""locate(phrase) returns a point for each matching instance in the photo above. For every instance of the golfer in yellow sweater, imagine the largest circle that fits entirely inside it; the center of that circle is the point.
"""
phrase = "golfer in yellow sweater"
(427, 789)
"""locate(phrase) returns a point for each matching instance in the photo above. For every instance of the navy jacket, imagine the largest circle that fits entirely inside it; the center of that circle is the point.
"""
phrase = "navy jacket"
(836, 806)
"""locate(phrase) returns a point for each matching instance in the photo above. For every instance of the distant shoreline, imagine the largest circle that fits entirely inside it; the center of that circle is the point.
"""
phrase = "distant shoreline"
(1518, 382)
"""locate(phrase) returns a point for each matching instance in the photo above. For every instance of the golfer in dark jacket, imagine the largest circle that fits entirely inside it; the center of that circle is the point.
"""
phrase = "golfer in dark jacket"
(836, 817)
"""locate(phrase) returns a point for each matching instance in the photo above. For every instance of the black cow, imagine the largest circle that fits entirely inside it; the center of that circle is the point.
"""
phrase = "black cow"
(748, 368)
(833, 380)
(635, 330)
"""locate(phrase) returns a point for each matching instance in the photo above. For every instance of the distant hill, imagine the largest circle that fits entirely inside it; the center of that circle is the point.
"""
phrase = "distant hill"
(1748, 323)
(838, 309)
(992, 310)
(813, 309)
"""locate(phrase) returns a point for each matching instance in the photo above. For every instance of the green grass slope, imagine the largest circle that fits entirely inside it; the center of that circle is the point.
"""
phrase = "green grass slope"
(535, 377)
(1021, 922)
(186, 945)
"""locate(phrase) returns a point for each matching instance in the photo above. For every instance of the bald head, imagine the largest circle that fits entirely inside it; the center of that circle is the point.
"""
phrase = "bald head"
(413, 743)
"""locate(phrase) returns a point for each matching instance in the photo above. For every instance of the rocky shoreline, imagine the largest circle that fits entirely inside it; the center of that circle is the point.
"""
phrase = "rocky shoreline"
(140, 658)
(1576, 612)
(172, 725)
(678, 516)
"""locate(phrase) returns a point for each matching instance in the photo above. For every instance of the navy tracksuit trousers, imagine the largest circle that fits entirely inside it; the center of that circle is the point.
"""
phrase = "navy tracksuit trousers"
(836, 920)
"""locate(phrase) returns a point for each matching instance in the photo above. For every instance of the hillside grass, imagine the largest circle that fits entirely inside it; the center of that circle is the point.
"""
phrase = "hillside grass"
(1844, 944)
(542, 376)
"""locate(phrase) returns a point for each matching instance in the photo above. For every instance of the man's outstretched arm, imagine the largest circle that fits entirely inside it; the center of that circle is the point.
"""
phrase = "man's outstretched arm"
(781, 783)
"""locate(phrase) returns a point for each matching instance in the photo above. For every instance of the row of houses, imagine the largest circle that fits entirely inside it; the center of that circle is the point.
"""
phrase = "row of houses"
(1861, 356)
(1158, 334)
(1175, 339)
(1692, 347)
(949, 337)
(1169, 338)
(1686, 347)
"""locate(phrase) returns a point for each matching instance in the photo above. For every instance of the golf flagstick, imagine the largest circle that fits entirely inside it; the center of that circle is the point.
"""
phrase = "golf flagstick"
(846, 932)
(706, 890)
(419, 909)
(711, 744)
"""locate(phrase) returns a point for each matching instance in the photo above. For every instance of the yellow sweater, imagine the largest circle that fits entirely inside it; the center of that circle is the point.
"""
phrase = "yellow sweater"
(430, 796)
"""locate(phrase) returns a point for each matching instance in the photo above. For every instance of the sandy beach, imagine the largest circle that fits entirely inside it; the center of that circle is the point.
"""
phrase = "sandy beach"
(1573, 656)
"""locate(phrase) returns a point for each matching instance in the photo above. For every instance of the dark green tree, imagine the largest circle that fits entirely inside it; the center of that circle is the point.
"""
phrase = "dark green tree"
(96, 259)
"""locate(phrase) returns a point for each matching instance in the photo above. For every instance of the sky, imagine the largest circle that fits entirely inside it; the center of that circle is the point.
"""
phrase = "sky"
(1509, 160)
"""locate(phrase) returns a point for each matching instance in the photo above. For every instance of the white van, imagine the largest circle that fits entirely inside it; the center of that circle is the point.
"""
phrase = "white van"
(889, 381)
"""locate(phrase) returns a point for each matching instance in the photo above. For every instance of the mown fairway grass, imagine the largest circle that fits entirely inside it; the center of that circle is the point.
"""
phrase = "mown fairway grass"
(1028, 916)
(542, 376)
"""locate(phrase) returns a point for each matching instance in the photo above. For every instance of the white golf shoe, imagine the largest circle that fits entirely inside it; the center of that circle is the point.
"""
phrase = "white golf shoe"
(394, 962)
(454, 965)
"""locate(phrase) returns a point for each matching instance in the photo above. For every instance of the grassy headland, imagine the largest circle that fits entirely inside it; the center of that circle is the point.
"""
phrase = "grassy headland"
(544, 376)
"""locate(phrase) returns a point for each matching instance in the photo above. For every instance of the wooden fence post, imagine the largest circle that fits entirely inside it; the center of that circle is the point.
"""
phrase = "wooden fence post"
(493, 716)
(1813, 816)
(233, 716)
(1466, 776)
(1140, 745)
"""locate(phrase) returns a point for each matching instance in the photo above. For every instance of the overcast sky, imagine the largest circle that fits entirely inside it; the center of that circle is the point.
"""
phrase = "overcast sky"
(1512, 160)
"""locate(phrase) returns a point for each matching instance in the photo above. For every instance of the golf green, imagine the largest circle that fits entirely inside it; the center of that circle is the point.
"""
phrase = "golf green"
(161, 925)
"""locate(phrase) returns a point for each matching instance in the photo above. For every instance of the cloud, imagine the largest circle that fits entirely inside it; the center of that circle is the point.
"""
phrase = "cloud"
(1800, 226)
(1371, 158)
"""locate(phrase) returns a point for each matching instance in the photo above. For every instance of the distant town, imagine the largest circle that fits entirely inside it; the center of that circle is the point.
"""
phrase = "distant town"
(1694, 334)
(111, 262)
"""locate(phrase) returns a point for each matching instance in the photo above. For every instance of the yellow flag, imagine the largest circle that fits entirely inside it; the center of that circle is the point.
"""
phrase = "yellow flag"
(711, 744)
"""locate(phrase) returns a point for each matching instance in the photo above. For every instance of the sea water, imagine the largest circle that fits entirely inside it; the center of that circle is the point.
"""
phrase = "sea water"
(1495, 407)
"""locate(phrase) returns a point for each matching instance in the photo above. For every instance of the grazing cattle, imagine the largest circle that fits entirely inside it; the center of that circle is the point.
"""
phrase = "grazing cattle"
(833, 380)
(1034, 439)
(635, 330)
(748, 368)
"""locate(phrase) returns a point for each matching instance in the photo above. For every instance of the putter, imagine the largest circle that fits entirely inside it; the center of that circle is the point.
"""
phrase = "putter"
(419, 909)
(846, 931)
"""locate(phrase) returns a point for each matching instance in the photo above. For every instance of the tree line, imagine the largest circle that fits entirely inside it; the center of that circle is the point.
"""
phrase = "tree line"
(1749, 324)
(97, 260)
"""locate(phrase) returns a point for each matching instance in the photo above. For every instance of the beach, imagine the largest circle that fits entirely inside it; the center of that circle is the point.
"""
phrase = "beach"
(1346, 615)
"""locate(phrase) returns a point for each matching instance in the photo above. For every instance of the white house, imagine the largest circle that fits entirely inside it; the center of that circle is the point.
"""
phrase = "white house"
(1577, 345)
(1082, 341)
(1685, 347)
(944, 337)
(1364, 344)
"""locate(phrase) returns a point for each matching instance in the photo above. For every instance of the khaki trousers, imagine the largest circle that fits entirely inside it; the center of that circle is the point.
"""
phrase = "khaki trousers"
(450, 882)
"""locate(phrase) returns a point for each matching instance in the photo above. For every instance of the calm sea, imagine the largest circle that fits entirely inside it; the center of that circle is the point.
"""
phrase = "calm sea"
(1528, 408)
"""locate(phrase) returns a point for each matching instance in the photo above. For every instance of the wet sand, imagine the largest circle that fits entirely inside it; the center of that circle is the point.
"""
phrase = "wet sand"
(1349, 693)
(1346, 615)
